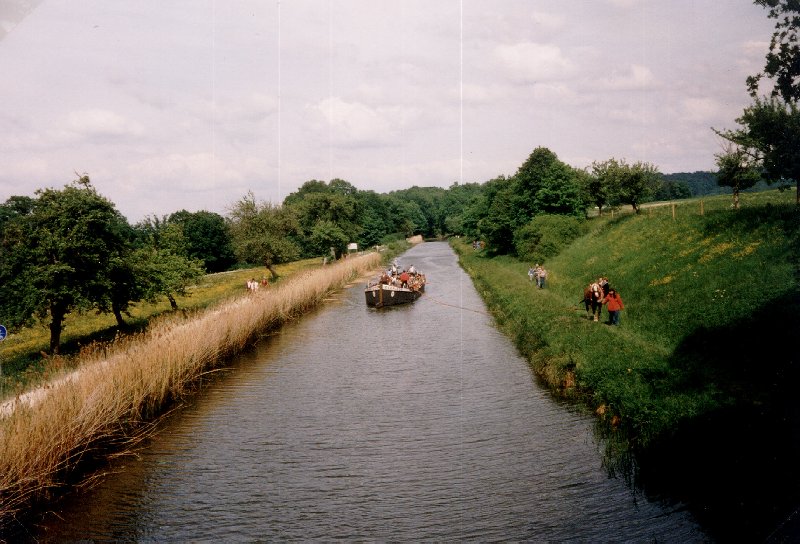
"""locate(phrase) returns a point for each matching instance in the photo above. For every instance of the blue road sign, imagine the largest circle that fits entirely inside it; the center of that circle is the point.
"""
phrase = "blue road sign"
(3, 332)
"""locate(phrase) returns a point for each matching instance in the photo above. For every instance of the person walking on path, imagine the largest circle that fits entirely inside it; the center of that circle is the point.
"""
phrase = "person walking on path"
(541, 274)
(530, 274)
(615, 305)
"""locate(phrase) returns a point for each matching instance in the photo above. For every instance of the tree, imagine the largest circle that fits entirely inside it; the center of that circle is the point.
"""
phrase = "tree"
(507, 212)
(672, 190)
(429, 200)
(783, 58)
(316, 201)
(454, 205)
(207, 238)
(737, 169)
(326, 235)
(771, 126)
(161, 263)
(600, 185)
(635, 183)
(770, 132)
(58, 255)
(262, 233)
(547, 185)
(546, 235)
(406, 217)
(373, 217)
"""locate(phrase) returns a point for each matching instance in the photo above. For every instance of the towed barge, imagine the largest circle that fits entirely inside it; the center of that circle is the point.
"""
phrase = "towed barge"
(394, 289)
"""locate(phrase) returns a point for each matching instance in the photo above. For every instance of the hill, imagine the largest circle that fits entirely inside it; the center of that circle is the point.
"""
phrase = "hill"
(697, 184)
(694, 390)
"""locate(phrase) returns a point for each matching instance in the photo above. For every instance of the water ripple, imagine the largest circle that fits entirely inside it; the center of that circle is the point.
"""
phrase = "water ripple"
(418, 423)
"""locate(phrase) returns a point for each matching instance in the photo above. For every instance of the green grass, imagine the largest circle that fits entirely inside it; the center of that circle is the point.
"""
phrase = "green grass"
(706, 298)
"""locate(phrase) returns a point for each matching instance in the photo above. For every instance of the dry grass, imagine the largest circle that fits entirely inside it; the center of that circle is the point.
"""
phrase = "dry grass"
(23, 363)
(107, 402)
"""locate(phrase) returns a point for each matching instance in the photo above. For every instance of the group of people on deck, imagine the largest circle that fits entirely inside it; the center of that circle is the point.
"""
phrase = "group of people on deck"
(408, 278)
(597, 294)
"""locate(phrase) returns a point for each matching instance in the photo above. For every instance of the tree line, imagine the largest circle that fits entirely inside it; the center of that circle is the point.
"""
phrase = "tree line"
(70, 250)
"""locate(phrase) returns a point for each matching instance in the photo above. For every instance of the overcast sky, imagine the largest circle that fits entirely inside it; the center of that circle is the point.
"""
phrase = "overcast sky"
(179, 104)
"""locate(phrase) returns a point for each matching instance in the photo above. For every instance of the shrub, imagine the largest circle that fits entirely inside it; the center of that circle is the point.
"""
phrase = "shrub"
(546, 235)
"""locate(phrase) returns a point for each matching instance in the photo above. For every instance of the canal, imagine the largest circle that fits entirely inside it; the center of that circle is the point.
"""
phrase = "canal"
(412, 423)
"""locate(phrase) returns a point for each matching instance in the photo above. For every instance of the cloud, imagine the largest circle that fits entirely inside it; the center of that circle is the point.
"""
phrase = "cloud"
(637, 78)
(703, 110)
(624, 4)
(548, 21)
(755, 48)
(354, 123)
(533, 62)
(98, 122)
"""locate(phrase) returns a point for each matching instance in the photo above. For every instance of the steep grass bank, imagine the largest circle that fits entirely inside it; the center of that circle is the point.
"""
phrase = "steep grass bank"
(117, 391)
(700, 376)
(689, 284)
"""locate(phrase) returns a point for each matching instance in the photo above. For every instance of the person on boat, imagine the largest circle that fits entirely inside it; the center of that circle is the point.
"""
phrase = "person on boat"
(404, 277)
(412, 270)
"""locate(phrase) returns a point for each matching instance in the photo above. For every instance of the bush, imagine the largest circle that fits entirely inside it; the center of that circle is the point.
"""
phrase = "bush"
(546, 235)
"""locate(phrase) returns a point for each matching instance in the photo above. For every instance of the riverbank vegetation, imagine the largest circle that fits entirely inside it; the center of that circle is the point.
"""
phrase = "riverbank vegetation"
(111, 399)
(25, 359)
(702, 370)
(682, 279)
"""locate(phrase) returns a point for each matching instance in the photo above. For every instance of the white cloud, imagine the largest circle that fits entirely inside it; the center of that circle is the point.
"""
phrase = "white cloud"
(625, 4)
(636, 78)
(548, 21)
(755, 48)
(99, 122)
(702, 110)
(355, 123)
(534, 62)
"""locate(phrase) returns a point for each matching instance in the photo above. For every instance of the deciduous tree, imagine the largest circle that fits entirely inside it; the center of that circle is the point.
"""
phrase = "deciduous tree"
(59, 255)
(736, 169)
(206, 237)
(770, 132)
(636, 183)
(783, 58)
(262, 233)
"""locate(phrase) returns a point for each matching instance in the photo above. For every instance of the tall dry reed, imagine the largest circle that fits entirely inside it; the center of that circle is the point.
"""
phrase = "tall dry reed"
(106, 405)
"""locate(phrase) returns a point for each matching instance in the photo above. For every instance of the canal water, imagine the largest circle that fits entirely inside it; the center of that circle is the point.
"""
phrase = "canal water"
(412, 423)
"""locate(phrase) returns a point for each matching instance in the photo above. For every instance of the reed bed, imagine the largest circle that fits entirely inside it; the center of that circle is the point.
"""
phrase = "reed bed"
(110, 402)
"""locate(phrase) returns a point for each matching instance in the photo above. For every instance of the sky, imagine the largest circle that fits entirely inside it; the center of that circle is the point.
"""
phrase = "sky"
(189, 105)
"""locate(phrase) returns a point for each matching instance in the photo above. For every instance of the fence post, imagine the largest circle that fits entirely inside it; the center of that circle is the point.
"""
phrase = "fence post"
(701, 208)
(673, 211)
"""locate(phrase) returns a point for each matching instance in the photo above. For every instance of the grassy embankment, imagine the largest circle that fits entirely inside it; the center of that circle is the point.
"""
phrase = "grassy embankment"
(118, 389)
(706, 298)
(695, 390)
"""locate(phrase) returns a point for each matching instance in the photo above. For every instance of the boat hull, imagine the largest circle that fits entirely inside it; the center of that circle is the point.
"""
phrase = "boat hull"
(378, 296)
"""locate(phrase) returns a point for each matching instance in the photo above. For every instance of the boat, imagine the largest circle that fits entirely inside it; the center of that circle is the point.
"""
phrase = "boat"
(393, 288)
